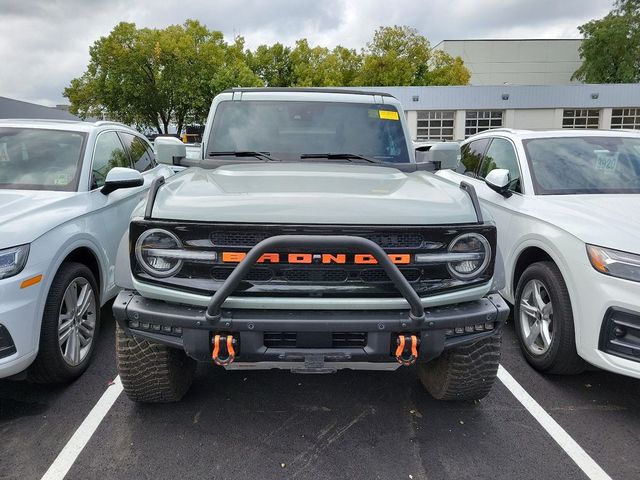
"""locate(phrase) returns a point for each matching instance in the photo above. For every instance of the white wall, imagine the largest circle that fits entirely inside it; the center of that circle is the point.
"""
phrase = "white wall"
(537, 119)
(517, 62)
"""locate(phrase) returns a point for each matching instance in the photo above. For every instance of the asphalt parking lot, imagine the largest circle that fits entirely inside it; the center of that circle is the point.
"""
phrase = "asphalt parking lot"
(278, 425)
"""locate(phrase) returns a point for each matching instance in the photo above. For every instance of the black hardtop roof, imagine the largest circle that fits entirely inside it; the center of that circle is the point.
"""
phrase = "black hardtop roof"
(307, 90)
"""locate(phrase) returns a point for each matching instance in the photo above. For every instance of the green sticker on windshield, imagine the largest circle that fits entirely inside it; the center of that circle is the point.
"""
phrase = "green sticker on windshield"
(62, 179)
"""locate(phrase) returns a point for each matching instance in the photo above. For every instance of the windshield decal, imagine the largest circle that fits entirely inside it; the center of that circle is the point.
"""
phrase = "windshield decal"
(4, 155)
(388, 115)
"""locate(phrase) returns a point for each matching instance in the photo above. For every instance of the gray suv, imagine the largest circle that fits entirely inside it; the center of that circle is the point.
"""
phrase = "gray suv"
(306, 237)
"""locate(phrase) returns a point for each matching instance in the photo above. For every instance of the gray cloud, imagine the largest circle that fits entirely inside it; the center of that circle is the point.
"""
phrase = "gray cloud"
(45, 43)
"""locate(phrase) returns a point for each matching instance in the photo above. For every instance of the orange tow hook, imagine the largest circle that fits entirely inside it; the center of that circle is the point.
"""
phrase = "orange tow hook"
(411, 350)
(228, 342)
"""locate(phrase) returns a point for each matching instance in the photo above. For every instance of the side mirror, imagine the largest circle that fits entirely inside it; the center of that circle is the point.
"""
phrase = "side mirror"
(498, 180)
(168, 148)
(442, 155)
(119, 177)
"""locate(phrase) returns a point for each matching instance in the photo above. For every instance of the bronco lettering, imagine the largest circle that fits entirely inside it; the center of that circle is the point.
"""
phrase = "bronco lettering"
(324, 258)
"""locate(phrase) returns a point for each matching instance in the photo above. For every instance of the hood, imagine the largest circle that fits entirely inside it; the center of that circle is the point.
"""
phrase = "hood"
(312, 193)
(27, 214)
(611, 221)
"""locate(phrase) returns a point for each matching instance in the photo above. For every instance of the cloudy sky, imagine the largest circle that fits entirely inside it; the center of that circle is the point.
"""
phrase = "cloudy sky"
(45, 43)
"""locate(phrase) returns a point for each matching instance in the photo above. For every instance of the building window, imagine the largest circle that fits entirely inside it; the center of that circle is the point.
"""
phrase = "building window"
(477, 121)
(435, 125)
(580, 118)
(628, 118)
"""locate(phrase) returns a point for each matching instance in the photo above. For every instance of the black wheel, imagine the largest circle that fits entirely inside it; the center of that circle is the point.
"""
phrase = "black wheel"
(70, 326)
(544, 320)
(463, 373)
(151, 372)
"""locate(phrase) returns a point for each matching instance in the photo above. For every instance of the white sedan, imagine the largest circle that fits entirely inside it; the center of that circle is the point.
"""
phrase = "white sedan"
(67, 190)
(567, 207)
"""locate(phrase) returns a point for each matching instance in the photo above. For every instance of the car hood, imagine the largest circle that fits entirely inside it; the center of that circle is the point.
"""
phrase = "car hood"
(27, 214)
(606, 220)
(312, 193)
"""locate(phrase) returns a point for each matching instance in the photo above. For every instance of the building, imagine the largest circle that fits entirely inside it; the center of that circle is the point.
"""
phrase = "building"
(454, 113)
(517, 62)
(10, 108)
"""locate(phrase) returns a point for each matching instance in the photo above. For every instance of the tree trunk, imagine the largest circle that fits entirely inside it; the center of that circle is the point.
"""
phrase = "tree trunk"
(180, 123)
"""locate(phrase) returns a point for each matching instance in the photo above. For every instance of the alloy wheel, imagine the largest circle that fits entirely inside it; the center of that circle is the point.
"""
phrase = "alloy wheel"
(77, 321)
(536, 317)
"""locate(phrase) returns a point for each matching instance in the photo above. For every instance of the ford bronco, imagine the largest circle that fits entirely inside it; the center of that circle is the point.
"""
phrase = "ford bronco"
(306, 237)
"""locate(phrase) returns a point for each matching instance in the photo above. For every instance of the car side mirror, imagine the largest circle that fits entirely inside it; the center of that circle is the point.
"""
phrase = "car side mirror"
(498, 180)
(442, 155)
(119, 177)
(170, 150)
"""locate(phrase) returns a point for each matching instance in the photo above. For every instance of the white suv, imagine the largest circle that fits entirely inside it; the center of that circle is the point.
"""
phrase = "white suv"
(67, 190)
(567, 207)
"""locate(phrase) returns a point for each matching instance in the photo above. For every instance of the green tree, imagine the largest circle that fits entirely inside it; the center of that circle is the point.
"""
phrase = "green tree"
(399, 55)
(610, 50)
(272, 64)
(158, 77)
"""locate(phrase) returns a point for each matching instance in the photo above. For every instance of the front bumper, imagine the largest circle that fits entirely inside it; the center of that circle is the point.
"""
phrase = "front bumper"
(19, 323)
(310, 332)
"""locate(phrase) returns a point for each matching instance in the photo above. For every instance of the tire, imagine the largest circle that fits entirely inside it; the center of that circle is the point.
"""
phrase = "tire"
(555, 351)
(466, 372)
(51, 365)
(151, 372)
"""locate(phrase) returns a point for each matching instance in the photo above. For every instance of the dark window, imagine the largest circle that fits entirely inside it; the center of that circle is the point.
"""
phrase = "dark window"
(584, 165)
(471, 156)
(625, 118)
(109, 153)
(576, 118)
(287, 129)
(477, 121)
(501, 154)
(39, 159)
(138, 151)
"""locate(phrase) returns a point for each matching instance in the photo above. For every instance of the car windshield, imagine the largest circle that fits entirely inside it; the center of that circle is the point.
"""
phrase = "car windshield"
(287, 130)
(584, 165)
(39, 159)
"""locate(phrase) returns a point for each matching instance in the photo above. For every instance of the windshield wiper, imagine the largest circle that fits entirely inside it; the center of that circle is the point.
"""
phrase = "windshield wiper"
(339, 156)
(245, 153)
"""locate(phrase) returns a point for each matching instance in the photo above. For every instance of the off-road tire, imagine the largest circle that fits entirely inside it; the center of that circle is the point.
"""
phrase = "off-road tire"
(49, 366)
(151, 372)
(562, 357)
(466, 372)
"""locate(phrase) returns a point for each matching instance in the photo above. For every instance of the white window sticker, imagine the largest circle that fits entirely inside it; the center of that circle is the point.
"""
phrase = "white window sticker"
(4, 155)
(605, 160)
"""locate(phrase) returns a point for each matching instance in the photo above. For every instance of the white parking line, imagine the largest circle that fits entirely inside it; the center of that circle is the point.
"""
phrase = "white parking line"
(65, 459)
(562, 438)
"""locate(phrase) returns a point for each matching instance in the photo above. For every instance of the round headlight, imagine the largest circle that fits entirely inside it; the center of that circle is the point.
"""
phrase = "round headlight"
(474, 254)
(151, 250)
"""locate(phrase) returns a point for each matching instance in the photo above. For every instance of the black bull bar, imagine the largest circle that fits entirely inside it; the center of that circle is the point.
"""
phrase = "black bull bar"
(292, 243)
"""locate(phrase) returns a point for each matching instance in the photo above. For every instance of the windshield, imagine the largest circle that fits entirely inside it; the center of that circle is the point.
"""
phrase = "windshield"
(575, 165)
(38, 159)
(287, 129)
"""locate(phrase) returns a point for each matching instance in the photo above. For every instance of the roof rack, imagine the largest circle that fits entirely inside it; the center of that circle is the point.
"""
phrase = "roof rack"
(101, 123)
(308, 90)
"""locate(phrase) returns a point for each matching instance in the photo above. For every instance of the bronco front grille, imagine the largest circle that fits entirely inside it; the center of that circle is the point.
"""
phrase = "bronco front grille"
(240, 238)
(315, 277)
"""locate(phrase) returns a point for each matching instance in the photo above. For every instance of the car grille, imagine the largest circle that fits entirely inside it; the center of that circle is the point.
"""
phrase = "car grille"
(240, 239)
(315, 279)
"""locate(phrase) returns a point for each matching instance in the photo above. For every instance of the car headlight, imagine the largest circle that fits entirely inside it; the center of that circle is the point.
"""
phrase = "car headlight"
(614, 262)
(152, 248)
(474, 254)
(160, 253)
(13, 260)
